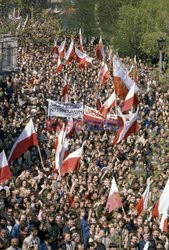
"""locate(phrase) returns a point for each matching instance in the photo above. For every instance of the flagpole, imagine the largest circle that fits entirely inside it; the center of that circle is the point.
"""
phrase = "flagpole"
(40, 157)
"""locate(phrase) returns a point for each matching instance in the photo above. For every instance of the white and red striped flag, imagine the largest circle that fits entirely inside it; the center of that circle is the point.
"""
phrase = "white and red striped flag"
(108, 104)
(164, 221)
(64, 95)
(70, 53)
(100, 50)
(72, 162)
(143, 202)
(98, 102)
(131, 99)
(61, 146)
(128, 128)
(122, 81)
(82, 58)
(61, 49)
(27, 139)
(5, 172)
(163, 202)
(59, 65)
(103, 74)
(114, 200)
(80, 40)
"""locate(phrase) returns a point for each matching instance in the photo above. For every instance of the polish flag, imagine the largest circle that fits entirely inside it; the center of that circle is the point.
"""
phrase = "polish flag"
(164, 222)
(128, 128)
(58, 146)
(5, 172)
(143, 202)
(27, 139)
(103, 74)
(100, 50)
(72, 162)
(98, 102)
(82, 58)
(131, 99)
(163, 202)
(122, 81)
(80, 40)
(114, 200)
(55, 47)
(70, 53)
(108, 105)
(64, 95)
(59, 66)
(61, 49)
(69, 129)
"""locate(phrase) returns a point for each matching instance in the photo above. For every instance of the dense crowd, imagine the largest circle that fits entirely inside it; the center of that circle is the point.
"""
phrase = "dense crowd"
(41, 210)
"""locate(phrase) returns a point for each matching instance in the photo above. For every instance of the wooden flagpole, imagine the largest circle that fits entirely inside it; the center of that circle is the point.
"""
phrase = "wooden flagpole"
(40, 155)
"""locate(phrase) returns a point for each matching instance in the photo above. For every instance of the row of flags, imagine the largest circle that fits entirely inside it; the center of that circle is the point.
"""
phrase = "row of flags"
(160, 209)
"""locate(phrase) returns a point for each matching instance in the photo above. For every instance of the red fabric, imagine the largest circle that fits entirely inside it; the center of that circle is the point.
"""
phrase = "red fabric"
(70, 165)
(5, 174)
(155, 210)
(114, 202)
(23, 146)
(120, 88)
(98, 52)
(140, 205)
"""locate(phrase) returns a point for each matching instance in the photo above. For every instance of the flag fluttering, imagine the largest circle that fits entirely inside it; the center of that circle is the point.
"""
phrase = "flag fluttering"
(122, 81)
(163, 202)
(131, 99)
(143, 202)
(103, 74)
(69, 56)
(129, 127)
(72, 162)
(108, 104)
(100, 50)
(27, 138)
(5, 172)
(114, 200)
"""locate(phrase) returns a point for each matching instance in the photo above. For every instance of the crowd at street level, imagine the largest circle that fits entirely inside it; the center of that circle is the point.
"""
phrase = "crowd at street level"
(39, 209)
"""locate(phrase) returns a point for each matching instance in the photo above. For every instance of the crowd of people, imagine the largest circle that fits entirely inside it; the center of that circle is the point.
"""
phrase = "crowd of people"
(39, 209)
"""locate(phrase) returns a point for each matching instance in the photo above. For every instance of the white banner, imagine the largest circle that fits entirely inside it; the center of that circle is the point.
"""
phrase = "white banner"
(61, 109)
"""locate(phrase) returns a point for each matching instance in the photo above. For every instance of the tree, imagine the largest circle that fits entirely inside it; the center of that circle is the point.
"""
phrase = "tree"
(139, 27)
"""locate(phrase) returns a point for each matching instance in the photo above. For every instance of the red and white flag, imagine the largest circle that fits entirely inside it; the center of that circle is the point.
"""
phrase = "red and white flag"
(72, 162)
(59, 66)
(55, 47)
(61, 49)
(80, 40)
(61, 146)
(82, 58)
(64, 95)
(114, 200)
(143, 202)
(5, 172)
(122, 82)
(98, 102)
(163, 202)
(70, 53)
(131, 99)
(103, 74)
(108, 104)
(129, 127)
(100, 50)
(69, 129)
(164, 222)
(27, 139)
